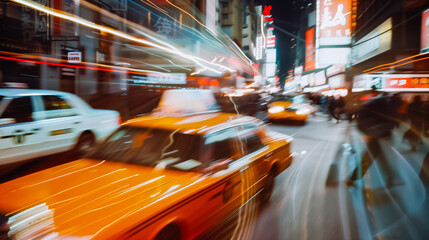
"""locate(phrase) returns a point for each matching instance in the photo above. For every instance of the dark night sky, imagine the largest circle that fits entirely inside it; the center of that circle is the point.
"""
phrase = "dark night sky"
(287, 15)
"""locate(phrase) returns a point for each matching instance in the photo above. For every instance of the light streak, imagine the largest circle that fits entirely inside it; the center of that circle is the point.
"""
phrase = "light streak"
(241, 54)
(83, 22)
(393, 64)
(154, 5)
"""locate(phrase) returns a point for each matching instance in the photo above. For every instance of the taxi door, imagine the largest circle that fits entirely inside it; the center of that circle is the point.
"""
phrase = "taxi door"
(21, 138)
(61, 123)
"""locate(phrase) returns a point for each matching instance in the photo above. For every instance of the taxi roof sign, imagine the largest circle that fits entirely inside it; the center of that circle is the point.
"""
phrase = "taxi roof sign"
(187, 102)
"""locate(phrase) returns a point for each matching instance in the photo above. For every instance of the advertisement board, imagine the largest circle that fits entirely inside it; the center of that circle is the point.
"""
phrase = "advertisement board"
(335, 17)
(425, 32)
(407, 82)
(332, 56)
(310, 53)
(376, 42)
(159, 78)
(271, 41)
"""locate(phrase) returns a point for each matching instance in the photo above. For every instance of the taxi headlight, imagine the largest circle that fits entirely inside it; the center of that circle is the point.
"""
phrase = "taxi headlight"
(276, 109)
(303, 111)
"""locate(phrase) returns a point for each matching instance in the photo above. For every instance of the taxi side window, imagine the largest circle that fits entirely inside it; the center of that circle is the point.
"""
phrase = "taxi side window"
(55, 103)
(252, 142)
(21, 109)
(222, 149)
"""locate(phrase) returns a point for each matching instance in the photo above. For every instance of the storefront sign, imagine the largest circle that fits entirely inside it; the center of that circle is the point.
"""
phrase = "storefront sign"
(425, 32)
(310, 55)
(74, 57)
(337, 81)
(320, 78)
(335, 69)
(335, 18)
(159, 78)
(416, 82)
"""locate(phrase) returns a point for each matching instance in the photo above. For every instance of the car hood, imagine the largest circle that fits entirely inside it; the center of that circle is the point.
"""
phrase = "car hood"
(82, 197)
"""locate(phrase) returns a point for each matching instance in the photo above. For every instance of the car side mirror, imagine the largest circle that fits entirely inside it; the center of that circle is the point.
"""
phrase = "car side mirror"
(6, 121)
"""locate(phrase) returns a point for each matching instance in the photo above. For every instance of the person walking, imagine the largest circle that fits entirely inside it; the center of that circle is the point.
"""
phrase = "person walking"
(413, 135)
(375, 122)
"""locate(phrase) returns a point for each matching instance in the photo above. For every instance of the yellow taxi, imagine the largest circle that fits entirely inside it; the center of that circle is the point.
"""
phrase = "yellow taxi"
(289, 107)
(160, 176)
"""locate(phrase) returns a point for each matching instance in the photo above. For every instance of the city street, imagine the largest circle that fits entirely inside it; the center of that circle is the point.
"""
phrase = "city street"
(311, 199)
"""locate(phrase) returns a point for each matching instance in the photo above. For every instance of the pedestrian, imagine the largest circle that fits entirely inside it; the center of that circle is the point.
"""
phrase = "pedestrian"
(331, 107)
(339, 108)
(424, 109)
(413, 135)
(374, 121)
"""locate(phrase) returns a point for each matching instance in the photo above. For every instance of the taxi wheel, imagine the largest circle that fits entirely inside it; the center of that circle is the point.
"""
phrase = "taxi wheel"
(267, 189)
(170, 232)
(85, 143)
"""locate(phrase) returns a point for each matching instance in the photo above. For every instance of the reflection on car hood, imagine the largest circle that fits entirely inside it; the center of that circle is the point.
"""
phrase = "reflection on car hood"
(87, 195)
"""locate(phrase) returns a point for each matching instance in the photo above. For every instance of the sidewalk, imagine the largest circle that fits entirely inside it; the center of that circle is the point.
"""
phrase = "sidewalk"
(397, 212)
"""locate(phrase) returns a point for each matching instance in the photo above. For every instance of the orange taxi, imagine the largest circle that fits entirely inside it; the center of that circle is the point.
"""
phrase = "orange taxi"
(160, 176)
(289, 107)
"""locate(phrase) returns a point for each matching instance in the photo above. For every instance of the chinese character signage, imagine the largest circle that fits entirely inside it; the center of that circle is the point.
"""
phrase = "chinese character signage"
(335, 22)
(425, 32)
(310, 54)
(267, 13)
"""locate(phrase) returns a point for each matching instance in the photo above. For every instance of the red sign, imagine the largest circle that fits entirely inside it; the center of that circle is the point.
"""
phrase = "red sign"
(417, 82)
(335, 21)
(310, 50)
(425, 31)
(267, 13)
(271, 41)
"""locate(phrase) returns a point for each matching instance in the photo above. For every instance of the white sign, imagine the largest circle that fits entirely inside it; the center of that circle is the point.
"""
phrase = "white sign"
(259, 47)
(332, 56)
(74, 57)
(337, 81)
(160, 78)
(377, 41)
(271, 55)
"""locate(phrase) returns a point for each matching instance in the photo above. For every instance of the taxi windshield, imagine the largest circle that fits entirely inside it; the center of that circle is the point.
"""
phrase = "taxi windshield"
(152, 148)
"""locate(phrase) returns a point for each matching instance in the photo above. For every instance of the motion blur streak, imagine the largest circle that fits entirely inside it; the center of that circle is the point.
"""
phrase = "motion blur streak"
(148, 205)
(92, 25)
(95, 190)
(398, 65)
(70, 173)
(392, 63)
(312, 185)
(121, 200)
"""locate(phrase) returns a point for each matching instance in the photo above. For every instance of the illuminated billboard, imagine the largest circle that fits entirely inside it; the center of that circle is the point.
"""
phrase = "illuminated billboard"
(425, 32)
(310, 50)
(334, 23)
(376, 42)
(271, 41)
(271, 55)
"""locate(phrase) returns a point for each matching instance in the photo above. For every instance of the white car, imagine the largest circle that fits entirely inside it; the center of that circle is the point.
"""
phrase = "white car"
(35, 123)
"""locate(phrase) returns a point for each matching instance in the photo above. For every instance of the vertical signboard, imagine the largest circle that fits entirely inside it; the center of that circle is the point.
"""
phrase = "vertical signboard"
(271, 41)
(335, 22)
(310, 57)
(425, 32)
